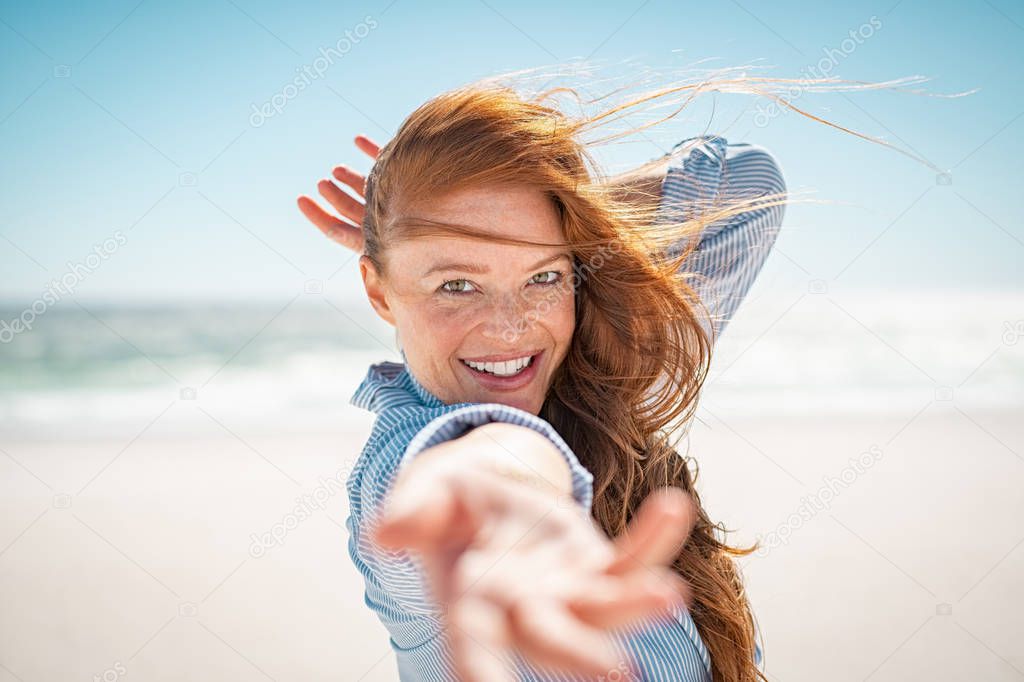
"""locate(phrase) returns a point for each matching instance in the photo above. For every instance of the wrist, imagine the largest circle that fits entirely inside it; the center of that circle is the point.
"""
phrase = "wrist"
(520, 454)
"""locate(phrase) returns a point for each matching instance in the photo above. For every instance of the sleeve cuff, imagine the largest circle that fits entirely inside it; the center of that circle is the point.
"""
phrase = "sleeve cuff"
(460, 420)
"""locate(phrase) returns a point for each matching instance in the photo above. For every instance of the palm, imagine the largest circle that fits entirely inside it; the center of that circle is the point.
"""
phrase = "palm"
(518, 572)
(346, 227)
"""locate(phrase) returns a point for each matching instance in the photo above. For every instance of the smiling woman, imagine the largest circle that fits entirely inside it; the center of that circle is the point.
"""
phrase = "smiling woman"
(452, 297)
(519, 511)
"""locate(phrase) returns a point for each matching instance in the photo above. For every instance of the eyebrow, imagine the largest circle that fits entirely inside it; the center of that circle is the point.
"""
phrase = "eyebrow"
(478, 269)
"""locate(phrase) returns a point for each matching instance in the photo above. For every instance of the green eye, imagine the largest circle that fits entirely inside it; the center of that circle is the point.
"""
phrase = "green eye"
(549, 277)
(457, 286)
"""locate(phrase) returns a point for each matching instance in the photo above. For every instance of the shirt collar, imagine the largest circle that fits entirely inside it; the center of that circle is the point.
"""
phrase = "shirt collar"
(388, 384)
(428, 398)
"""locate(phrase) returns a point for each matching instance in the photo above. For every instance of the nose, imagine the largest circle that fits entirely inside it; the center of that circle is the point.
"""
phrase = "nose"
(507, 319)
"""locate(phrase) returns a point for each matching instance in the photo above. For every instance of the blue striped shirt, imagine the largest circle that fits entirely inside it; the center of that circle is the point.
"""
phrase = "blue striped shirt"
(410, 419)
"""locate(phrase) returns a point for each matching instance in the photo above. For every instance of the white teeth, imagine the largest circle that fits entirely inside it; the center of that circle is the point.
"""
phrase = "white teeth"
(502, 369)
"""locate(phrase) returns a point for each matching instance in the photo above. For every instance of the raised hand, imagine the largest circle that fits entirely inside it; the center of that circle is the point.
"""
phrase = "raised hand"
(346, 229)
(516, 568)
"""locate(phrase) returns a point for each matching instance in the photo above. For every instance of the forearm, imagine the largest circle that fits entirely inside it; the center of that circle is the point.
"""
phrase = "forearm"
(640, 186)
(514, 452)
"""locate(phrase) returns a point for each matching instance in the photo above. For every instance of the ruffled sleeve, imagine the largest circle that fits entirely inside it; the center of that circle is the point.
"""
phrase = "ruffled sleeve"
(710, 173)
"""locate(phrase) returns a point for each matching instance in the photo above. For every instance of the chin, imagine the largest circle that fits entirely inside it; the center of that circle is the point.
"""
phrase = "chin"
(526, 403)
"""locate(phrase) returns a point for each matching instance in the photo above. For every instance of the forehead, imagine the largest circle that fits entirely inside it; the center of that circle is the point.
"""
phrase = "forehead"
(514, 211)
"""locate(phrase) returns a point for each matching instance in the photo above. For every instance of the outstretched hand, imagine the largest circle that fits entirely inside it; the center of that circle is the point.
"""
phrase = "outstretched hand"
(347, 229)
(517, 569)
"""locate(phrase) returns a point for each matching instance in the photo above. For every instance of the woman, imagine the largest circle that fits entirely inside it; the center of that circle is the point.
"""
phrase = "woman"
(519, 511)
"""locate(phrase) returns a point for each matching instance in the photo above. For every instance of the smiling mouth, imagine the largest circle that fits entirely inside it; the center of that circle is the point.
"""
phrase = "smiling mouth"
(502, 368)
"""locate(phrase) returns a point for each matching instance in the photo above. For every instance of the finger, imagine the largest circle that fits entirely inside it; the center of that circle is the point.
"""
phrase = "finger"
(416, 516)
(431, 513)
(549, 634)
(367, 146)
(342, 201)
(608, 603)
(340, 231)
(437, 569)
(352, 179)
(657, 532)
(480, 639)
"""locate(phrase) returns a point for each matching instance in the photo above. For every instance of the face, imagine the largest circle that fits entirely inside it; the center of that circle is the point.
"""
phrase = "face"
(481, 321)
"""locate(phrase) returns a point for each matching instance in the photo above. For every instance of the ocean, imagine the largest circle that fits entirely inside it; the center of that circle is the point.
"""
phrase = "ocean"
(95, 369)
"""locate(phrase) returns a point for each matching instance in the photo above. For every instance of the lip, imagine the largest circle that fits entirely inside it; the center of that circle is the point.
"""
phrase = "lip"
(503, 357)
(492, 382)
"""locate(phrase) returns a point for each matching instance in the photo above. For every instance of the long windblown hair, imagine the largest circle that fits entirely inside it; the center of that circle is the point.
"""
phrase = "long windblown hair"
(642, 343)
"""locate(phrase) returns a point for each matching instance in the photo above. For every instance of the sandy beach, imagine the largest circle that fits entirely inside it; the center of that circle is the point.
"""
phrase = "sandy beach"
(143, 557)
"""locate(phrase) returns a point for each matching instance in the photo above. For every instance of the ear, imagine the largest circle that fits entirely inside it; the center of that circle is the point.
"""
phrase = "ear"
(374, 285)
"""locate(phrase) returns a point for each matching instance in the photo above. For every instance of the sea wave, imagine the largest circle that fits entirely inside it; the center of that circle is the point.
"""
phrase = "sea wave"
(256, 366)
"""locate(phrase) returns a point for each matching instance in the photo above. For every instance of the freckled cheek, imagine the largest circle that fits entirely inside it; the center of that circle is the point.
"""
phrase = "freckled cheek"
(457, 319)
(442, 329)
(568, 327)
(562, 322)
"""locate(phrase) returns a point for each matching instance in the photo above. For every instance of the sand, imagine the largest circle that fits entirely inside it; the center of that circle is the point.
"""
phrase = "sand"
(134, 556)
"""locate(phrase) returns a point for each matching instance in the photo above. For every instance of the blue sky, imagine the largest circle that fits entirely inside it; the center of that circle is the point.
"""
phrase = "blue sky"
(137, 118)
